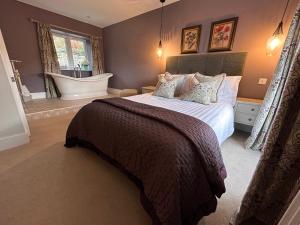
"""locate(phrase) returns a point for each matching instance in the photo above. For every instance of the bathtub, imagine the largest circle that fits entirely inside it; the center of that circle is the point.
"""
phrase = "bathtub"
(78, 88)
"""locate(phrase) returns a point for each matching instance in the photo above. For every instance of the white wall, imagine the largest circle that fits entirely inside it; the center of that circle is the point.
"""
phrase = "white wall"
(13, 125)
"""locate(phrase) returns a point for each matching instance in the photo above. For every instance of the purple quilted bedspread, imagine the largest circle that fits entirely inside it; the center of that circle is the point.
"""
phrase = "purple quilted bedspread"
(174, 159)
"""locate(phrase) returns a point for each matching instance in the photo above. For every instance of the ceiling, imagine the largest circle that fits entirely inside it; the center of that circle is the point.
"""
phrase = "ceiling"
(100, 13)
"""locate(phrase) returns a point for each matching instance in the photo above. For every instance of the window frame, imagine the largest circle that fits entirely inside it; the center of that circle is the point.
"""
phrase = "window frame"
(67, 38)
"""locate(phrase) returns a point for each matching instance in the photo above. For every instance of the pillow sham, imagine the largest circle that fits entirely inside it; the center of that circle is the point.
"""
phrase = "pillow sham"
(200, 93)
(165, 88)
(217, 81)
(229, 89)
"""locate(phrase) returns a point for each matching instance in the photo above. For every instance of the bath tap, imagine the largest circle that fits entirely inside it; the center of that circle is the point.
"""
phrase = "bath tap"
(74, 72)
(79, 67)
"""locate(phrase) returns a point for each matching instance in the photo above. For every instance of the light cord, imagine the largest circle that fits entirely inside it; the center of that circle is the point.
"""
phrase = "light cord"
(161, 19)
(287, 4)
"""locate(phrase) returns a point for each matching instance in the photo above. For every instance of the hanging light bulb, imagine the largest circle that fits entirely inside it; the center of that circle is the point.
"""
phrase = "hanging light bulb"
(274, 43)
(160, 50)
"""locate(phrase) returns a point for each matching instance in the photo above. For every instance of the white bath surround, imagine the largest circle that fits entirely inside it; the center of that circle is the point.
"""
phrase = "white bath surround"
(78, 88)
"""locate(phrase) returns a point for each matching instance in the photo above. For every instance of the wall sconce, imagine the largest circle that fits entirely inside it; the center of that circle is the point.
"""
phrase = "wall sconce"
(160, 50)
(275, 42)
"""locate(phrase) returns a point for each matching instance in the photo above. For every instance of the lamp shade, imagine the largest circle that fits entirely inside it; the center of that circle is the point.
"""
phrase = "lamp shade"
(274, 43)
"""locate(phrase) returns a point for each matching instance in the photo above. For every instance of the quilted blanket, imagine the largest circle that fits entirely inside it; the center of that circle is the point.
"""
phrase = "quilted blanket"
(173, 158)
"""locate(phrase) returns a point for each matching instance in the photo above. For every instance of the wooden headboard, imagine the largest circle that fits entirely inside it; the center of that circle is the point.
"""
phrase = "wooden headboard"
(231, 63)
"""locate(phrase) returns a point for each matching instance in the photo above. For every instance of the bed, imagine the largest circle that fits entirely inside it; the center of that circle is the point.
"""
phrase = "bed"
(170, 148)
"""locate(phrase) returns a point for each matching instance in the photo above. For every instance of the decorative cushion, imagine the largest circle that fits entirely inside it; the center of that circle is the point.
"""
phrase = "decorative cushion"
(200, 93)
(218, 79)
(165, 88)
(179, 79)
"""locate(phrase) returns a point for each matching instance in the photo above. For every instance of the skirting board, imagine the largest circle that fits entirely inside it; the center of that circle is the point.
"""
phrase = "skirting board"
(13, 141)
(38, 95)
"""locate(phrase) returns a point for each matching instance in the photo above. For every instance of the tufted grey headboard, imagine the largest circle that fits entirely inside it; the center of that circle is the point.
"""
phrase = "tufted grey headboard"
(208, 63)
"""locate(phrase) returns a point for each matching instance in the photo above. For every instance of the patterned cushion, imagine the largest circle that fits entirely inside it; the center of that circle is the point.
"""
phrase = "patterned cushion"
(165, 88)
(218, 79)
(179, 79)
(200, 93)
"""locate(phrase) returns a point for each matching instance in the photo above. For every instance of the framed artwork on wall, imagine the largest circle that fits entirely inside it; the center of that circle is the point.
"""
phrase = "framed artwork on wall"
(222, 35)
(190, 39)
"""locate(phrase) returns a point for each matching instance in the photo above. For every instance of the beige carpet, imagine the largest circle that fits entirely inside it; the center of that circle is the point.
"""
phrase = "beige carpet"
(43, 183)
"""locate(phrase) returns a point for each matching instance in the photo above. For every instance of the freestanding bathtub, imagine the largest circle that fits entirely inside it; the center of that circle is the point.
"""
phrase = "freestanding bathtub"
(78, 88)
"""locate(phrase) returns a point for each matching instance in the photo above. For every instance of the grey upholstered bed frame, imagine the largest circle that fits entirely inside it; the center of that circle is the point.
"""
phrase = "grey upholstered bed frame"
(208, 63)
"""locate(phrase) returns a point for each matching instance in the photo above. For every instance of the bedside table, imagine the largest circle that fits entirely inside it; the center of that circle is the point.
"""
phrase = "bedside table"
(246, 111)
(128, 92)
(148, 89)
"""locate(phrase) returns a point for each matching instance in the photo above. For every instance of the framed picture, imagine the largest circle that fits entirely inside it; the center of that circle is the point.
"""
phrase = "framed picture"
(222, 35)
(190, 39)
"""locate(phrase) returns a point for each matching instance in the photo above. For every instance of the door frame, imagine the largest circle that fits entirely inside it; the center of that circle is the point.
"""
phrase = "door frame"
(10, 76)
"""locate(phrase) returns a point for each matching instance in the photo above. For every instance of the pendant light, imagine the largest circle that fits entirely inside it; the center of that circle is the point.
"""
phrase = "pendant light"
(274, 42)
(159, 50)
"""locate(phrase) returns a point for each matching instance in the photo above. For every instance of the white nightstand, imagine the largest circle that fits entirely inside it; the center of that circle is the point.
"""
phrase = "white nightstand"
(246, 111)
(148, 89)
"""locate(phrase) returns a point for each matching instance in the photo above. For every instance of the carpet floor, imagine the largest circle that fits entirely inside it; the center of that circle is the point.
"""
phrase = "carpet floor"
(45, 183)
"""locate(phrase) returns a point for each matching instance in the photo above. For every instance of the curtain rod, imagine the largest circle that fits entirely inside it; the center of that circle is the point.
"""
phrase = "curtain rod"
(63, 28)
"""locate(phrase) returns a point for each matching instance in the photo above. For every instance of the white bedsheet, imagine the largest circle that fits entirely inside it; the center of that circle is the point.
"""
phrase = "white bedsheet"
(219, 116)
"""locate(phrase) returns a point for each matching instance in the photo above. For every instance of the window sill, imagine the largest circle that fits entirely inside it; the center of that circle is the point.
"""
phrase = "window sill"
(76, 70)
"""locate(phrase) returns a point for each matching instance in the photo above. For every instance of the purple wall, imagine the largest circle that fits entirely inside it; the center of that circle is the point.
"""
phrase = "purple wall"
(21, 38)
(130, 46)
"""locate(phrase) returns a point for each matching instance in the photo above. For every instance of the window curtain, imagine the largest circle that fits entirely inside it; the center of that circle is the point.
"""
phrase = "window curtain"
(96, 44)
(277, 177)
(49, 58)
(268, 109)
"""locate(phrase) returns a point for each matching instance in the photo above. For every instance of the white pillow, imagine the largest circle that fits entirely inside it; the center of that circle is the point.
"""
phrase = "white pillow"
(187, 83)
(229, 89)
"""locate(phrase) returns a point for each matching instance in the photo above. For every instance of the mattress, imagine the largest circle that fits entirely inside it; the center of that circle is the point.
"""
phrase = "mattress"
(219, 116)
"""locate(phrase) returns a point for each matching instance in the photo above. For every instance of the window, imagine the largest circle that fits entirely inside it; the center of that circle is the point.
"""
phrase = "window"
(72, 50)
